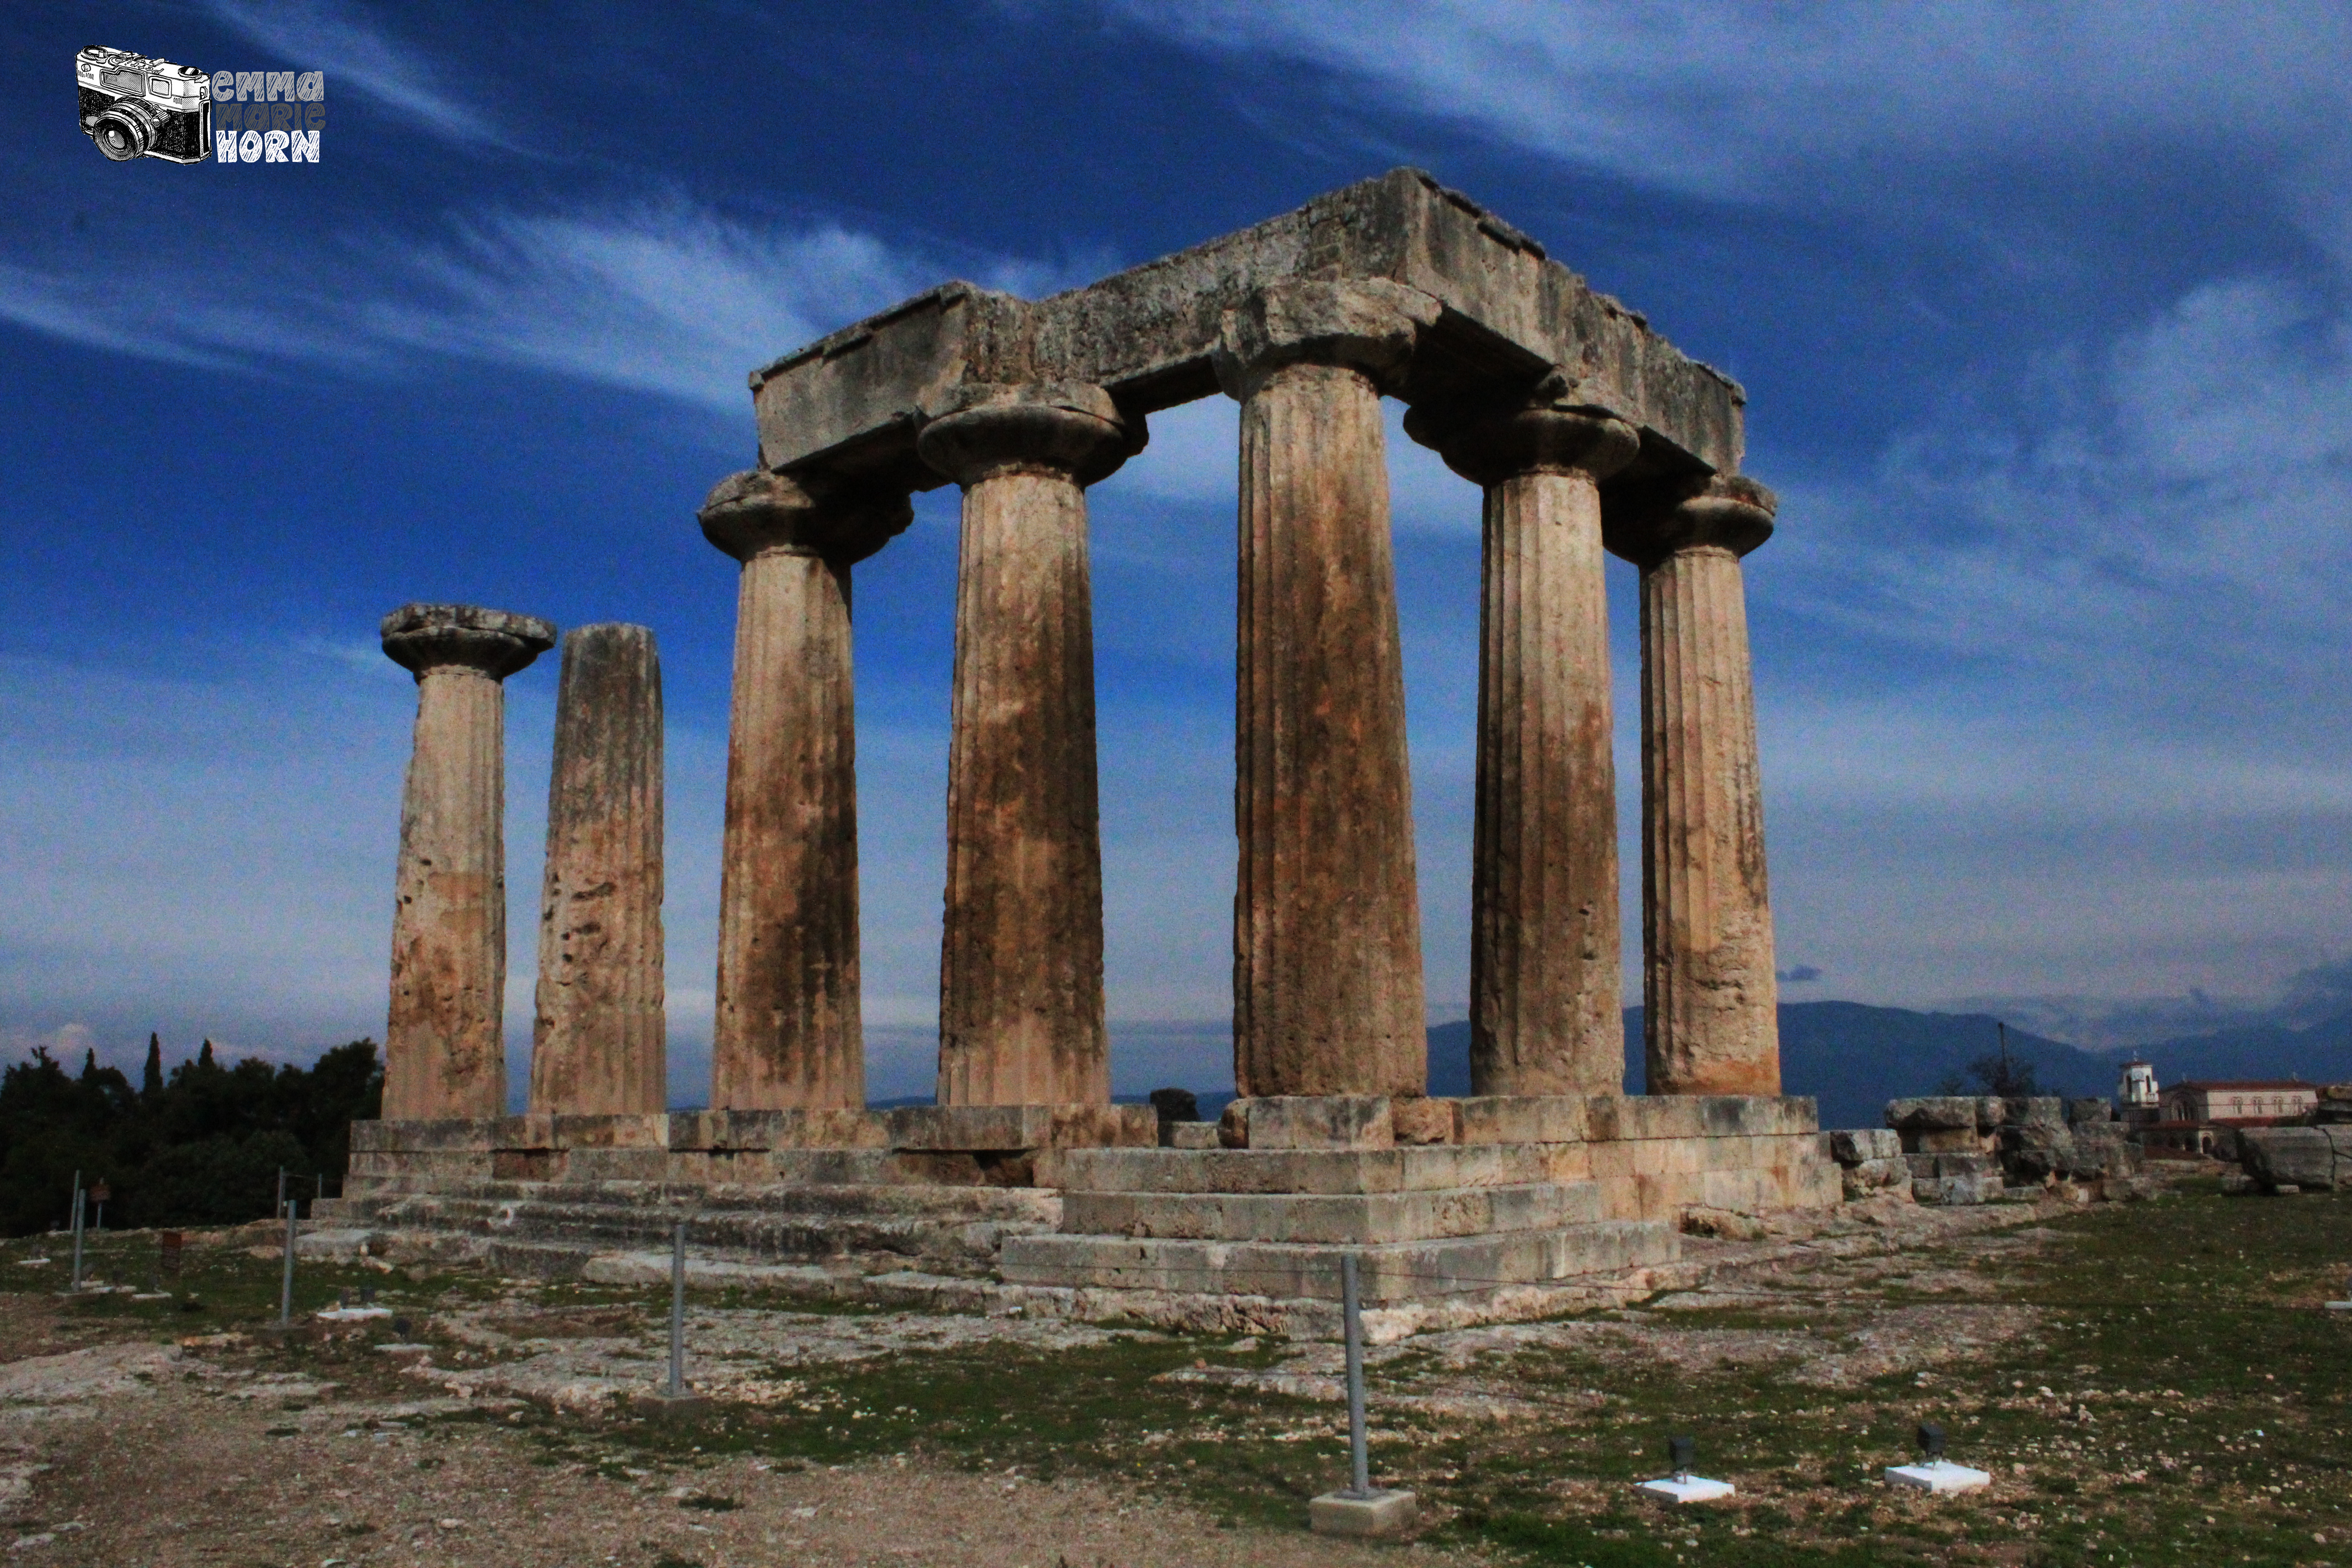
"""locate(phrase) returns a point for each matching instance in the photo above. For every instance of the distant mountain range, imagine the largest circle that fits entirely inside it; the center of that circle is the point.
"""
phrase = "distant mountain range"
(1855, 1058)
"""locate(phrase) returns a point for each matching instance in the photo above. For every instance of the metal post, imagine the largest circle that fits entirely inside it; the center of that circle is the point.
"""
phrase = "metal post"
(1352, 1313)
(678, 1312)
(76, 1285)
(286, 1290)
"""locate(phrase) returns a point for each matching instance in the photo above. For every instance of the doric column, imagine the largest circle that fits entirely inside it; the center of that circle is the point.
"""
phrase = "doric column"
(597, 1042)
(1546, 1008)
(444, 1052)
(1021, 998)
(1707, 990)
(1327, 929)
(786, 1032)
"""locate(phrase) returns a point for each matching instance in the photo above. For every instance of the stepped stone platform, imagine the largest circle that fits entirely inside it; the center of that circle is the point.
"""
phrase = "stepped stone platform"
(1484, 1205)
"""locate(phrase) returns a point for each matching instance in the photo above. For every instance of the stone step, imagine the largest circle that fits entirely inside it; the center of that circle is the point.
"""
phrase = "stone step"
(1413, 1168)
(957, 1228)
(666, 1204)
(1364, 1218)
(1401, 1271)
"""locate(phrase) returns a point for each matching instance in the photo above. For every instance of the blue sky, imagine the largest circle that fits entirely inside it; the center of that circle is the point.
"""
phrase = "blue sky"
(2041, 310)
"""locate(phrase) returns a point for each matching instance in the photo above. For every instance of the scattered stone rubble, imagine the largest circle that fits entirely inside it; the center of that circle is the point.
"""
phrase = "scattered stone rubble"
(1972, 1149)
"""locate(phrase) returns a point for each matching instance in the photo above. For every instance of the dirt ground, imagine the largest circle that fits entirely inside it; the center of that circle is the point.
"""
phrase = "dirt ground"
(488, 1421)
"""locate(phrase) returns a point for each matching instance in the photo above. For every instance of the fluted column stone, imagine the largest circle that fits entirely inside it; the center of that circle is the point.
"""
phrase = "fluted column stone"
(1546, 989)
(444, 1050)
(1327, 995)
(598, 1040)
(1709, 991)
(787, 1032)
(1021, 959)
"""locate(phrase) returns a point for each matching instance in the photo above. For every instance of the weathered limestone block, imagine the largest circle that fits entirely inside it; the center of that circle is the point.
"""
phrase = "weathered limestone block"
(1970, 1164)
(1423, 1121)
(2101, 1150)
(1521, 1119)
(598, 1038)
(786, 1032)
(2091, 1108)
(2313, 1158)
(1545, 1009)
(1708, 990)
(1868, 1178)
(1021, 1003)
(2036, 1152)
(1964, 1189)
(1862, 1146)
(1935, 1114)
(1314, 1121)
(2033, 1111)
(444, 1050)
(1326, 939)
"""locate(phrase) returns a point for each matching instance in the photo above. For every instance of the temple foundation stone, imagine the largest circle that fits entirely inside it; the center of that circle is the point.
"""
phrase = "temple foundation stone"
(1327, 928)
(1021, 961)
(1545, 959)
(445, 1055)
(598, 1040)
(786, 1032)
(1709, 991)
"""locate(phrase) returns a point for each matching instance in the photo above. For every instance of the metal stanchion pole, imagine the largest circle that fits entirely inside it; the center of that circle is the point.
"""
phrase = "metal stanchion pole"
(678, 1312)
(286, 1290)
(76, 1285)
(1353, 1313)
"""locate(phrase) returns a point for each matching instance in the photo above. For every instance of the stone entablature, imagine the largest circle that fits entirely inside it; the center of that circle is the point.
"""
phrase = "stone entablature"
(852, 403)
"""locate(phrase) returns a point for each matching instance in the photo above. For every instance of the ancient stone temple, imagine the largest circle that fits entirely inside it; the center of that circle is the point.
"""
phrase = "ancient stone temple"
(1587, 433)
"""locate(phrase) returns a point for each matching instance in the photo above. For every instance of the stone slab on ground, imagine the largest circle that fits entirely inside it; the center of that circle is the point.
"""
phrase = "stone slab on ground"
(1376, 1516)
(1937, 1475)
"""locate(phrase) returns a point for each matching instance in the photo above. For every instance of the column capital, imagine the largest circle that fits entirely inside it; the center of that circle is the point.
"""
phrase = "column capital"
(1647, 522)
(757, 511)
(1070, 429)
(1556, 429)
(1369, 325)
(419, 637)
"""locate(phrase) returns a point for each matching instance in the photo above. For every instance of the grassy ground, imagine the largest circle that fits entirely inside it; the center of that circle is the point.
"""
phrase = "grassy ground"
(2179, 1396)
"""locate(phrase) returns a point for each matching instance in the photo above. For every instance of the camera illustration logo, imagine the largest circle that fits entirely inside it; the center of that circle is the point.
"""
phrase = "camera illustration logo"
(134, 106)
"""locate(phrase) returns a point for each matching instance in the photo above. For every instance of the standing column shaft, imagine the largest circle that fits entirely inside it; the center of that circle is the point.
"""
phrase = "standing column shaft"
(598, 1045)
(1021, 959)
(1546, 960)
(1709, 991)
(786, 1032)
(445, 1055)
(1327, 932)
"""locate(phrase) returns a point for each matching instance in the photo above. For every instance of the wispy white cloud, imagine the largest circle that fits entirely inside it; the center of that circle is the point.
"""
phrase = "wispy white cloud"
(354, 51)
(664, 299)
(1837, 101)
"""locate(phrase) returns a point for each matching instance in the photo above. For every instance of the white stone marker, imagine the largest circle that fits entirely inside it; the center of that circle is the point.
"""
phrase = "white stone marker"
(1937, 1475)
(1687, 1489)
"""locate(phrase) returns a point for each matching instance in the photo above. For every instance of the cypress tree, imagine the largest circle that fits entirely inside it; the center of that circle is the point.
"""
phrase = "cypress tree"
(150, 1083)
